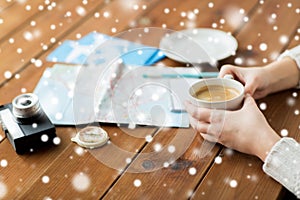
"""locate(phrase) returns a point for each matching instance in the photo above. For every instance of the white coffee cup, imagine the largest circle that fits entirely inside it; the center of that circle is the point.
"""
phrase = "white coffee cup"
(226, 104)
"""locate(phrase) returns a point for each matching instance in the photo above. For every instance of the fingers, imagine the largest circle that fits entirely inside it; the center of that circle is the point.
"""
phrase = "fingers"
(208, 122)
(200, 127)
(227, 69)
(250, 81)
(251, 107)
(205, 115)
(214, 128)
(208, 137)
(259, 94)
(248, 102)
(201, 114)
(251, 86)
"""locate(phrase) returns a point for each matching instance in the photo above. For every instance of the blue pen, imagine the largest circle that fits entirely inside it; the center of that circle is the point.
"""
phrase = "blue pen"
(200, 75)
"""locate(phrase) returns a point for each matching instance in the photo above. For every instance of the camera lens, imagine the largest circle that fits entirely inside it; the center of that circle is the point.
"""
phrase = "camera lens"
(26, 105)
(25, 102)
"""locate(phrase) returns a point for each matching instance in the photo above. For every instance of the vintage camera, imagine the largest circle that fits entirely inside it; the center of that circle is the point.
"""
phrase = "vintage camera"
(26, 125)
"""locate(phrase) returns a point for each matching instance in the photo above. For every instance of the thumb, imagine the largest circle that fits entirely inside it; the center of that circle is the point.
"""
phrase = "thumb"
(248, 101)
(250, 88)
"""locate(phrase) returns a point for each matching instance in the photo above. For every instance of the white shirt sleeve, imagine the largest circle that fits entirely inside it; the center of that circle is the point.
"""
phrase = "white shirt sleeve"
(283, 164)
(283, 161)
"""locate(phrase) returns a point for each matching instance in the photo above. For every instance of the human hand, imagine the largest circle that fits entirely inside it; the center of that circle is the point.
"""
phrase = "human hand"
(255, 79)
(245, 130)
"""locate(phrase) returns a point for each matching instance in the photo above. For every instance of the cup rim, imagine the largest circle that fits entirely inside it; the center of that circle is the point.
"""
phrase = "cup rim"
(240, 86)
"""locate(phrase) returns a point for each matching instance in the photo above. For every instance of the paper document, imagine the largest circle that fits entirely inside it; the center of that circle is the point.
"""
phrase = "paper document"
(132, 99)
(180, 92)
(79, 52)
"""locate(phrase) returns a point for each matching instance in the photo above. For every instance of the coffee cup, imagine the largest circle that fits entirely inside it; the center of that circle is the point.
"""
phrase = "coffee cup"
(217, 93)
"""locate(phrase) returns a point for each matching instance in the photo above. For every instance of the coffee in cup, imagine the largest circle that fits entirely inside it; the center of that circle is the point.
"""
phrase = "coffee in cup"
(217, 93)
(214, 93)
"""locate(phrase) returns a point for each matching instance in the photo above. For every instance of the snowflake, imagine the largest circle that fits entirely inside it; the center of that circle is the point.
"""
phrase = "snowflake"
(7, 74)
(263, 46)
(157, 147)
(218, 160)
(210, 4)
(284, 132)
(149, 138)
(137, 182)
(263, 106)
(192, 171)
(81, 182)
(3, 163)
(233, 183)
(56, 140)
(45, 179)
(171, 149)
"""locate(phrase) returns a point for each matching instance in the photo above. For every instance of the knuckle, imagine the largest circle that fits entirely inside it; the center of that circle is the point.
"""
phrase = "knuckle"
(200, 127)
(195, 113)
(226, 67)
(217, 117)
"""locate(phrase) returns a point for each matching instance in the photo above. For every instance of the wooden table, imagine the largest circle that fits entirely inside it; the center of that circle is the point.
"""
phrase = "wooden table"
(32, 29)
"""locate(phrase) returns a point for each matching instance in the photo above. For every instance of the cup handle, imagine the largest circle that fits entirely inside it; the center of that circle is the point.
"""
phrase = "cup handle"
(228, 76)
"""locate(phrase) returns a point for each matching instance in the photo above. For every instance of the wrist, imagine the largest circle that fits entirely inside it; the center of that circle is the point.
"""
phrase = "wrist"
(270, 138)
(282, 74)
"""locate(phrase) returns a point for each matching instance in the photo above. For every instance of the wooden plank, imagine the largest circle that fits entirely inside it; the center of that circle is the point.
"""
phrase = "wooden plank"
(279, 103)
(267, 33)
(32, 41)
(169, 180)
(5, 4)
(238, 176)
(23, 12)
(284, 102)
(295, 40)
(33, 168)
(23, 170)
(119, 17)
(106, 25)
(179, 15)
(26, 81)
(74, 172)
